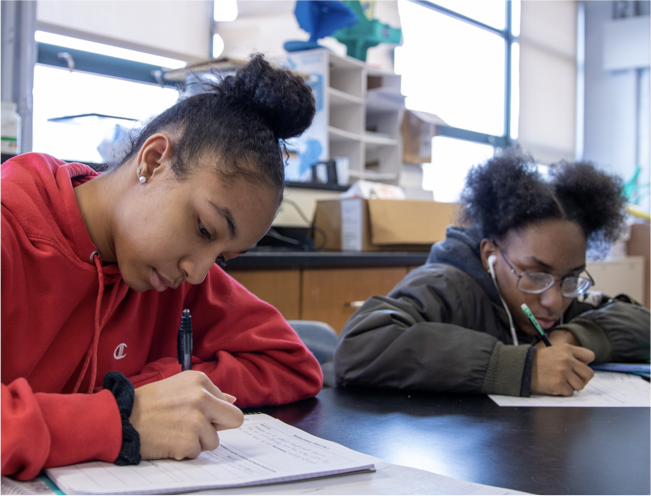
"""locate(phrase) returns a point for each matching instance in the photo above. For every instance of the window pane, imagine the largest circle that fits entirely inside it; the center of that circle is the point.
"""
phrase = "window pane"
(225, 10)
(451, 161)
(452, 69)
(516, 8)
(60, 93)
(491, 12)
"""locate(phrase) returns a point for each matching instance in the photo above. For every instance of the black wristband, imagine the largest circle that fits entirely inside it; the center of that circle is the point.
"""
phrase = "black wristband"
(122, 389)
(525, 388)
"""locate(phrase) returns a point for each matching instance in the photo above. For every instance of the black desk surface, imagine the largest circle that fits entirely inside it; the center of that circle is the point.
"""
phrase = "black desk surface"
(468, 437)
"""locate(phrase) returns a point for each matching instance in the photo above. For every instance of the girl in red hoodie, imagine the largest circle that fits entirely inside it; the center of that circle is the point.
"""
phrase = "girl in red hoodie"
(97, 268)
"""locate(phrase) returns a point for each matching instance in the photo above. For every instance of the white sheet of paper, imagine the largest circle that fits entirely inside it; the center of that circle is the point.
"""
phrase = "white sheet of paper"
(263, 451)
(611, 389)
(388, 479)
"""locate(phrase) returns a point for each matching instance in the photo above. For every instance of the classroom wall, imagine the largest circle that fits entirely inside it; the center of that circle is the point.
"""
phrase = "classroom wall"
(613, 104)
(172, 28)
(548, 79)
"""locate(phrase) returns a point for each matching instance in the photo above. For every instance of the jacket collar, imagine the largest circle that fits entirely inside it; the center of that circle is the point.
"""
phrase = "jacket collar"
(460, 249)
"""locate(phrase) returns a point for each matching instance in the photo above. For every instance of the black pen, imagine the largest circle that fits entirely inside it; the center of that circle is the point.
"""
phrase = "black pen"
(184, 341)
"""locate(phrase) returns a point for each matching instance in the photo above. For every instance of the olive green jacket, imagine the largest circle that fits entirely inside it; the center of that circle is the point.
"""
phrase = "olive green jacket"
(444, 328)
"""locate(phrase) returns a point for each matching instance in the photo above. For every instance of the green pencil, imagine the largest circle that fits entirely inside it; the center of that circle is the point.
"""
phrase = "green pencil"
(535, 323)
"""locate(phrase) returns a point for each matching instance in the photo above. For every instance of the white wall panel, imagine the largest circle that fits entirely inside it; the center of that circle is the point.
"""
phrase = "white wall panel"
(548, 79)
(551, 24)
(547, 104)
(179, 29)
(610, 103)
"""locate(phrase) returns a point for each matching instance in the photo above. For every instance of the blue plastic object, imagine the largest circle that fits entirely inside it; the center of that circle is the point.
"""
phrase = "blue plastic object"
(319, 19)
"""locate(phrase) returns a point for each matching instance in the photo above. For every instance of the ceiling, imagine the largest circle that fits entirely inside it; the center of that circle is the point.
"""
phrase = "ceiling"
(257, 8)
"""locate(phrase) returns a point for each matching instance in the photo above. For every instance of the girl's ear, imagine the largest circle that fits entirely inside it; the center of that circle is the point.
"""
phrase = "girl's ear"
(488, 252)
(154, 156)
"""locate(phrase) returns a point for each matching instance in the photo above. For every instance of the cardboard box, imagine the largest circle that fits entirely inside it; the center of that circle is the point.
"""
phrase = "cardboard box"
(418, 129)
(356, 224)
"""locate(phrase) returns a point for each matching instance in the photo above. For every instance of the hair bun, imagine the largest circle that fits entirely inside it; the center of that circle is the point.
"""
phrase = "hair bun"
(282, 99)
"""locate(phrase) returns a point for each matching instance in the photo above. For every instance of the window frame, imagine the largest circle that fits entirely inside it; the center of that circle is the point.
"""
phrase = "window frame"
(103, 65)
(505, 140)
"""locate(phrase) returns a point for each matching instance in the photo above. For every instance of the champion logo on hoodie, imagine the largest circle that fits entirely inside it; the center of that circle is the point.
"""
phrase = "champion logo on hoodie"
(119, 353)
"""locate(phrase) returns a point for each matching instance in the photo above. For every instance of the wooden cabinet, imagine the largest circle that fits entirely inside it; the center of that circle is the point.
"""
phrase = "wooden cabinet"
(332, 295)
(281, 288)
(323, 286)
(328, 295)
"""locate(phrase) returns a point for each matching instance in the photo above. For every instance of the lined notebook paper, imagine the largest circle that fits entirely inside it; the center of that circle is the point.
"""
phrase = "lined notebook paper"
(263, 451)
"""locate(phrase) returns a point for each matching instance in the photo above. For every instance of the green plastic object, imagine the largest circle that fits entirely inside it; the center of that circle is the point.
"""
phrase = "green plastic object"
(635, 192)
(365, 34)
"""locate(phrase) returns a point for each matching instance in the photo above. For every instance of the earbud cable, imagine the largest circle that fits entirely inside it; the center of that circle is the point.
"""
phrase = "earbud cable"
(513, 335)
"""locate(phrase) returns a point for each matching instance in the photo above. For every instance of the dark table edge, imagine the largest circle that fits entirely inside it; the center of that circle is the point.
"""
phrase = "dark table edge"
(278, 260)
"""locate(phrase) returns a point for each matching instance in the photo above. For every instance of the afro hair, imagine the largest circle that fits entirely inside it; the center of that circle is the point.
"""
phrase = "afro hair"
(509, 193)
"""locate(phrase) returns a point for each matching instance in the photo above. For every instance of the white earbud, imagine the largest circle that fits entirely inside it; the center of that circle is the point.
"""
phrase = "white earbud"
(491, 262)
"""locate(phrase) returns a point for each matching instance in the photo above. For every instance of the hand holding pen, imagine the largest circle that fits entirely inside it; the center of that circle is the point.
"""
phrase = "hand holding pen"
(560, 370)
(161, 409)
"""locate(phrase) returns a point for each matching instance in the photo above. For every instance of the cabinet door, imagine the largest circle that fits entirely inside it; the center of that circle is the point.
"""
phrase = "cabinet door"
(280, 288)
(332, 295)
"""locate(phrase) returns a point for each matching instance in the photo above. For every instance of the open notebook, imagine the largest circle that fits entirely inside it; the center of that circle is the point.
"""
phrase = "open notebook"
(263, 451)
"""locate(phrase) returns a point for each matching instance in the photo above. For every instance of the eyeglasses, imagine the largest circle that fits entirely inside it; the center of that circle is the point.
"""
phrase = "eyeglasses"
(539, 282)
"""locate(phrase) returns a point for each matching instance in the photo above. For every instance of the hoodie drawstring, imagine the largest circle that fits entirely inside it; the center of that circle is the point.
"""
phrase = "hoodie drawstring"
(91, 354)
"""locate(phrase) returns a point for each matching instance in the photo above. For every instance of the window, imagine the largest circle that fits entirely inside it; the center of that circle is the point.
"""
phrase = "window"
(59, 93)
(459, 60)
(451, 160)
(106, 86)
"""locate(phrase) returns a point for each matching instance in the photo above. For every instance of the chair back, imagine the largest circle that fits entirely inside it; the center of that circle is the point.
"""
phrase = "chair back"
(319, 337)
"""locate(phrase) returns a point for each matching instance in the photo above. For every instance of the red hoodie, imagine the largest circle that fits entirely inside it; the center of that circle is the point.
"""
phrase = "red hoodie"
(66, 321)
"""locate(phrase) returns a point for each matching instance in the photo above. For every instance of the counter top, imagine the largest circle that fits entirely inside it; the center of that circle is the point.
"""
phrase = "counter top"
(299, 259)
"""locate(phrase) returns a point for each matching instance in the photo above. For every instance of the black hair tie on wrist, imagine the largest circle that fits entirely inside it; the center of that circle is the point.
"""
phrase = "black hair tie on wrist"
(123, 391)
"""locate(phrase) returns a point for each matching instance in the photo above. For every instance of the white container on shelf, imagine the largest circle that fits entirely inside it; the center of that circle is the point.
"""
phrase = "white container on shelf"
(10, 129)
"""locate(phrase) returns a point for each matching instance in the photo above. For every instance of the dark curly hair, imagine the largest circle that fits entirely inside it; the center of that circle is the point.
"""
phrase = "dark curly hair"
(242, 120)
(508, 192)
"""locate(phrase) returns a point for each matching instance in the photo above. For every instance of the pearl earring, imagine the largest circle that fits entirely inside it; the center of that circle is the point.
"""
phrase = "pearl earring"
(142, 179)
